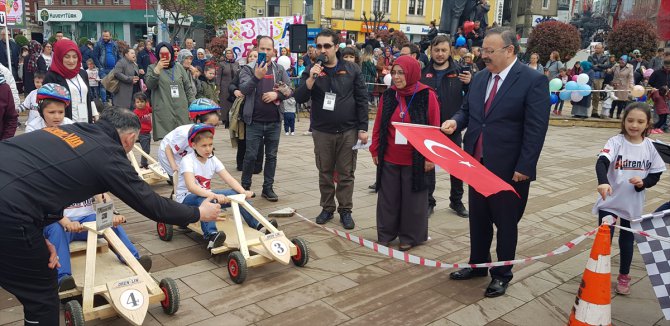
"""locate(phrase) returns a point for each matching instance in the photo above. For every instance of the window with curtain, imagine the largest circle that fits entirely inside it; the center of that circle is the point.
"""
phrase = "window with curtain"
(412, 7)
(309, 10)
(338, 4)
(348, 4)
(419, 7)
(386, 6)
(376, 5)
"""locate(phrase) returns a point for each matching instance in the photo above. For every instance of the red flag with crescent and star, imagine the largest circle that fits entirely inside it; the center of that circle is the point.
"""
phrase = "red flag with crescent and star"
(439, 149)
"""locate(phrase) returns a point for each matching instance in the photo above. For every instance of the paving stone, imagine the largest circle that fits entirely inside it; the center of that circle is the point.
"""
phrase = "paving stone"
(485, 311)
(316, 312)
(190, 311)
(305, 295)
(239, 317)
(205, 282)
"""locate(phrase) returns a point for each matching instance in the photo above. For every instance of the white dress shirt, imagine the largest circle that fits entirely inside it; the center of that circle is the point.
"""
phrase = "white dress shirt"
(503, 75)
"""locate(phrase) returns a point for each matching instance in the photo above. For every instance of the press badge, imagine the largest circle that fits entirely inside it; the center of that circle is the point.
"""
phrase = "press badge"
(400, 138)
(329, 101)
(174, 91)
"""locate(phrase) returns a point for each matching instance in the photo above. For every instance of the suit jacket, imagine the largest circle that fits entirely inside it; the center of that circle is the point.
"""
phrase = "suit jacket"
(516, 124)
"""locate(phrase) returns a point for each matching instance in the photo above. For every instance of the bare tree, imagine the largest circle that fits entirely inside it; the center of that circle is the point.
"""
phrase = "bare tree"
(178, 11)
(376, 21)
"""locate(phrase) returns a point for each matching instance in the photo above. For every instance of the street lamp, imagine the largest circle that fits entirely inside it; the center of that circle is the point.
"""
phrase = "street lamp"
(304, 9)
(266, 8)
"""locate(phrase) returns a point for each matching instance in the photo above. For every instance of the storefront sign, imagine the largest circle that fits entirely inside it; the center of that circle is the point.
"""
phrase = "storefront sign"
(59, 15)
(414, 29)
(14, 12)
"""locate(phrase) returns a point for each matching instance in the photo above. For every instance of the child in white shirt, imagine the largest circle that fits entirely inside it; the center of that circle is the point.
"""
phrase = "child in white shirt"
(30, 103)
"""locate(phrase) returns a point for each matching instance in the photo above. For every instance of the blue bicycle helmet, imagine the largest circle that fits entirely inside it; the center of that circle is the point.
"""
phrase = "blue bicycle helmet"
(202, 106)
(196, 129)
(53, 91)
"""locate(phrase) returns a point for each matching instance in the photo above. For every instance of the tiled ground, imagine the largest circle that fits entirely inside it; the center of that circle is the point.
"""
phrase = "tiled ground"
(346, 284)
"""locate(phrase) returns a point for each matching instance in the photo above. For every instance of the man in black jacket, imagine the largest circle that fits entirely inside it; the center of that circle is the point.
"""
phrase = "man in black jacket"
(450, 83)
(661, 77)
(339, 120)
(14, 49)
(44, 171)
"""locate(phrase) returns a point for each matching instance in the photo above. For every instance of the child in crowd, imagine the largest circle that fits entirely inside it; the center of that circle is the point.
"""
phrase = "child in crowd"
(208, 87)
(54, 98)
(349, 54)
(30, 103)
(563, 75)
(660, 98)
(610, 97)
(174, 145)
(143, 111)
(196, 170)
(93, 78)
(297, 72)
(627, 166)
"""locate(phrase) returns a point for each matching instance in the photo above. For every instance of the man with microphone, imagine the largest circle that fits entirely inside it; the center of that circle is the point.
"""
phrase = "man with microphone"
(339, 121)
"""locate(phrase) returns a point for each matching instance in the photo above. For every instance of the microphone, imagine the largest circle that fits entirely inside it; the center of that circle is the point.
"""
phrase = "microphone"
(319, 61)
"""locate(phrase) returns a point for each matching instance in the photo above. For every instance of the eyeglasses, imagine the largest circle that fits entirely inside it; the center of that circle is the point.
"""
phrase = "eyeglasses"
(492, 51)
(326, 46)
(397, 72)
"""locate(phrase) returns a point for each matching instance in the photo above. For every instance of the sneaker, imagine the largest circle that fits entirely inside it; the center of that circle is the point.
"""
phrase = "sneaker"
(292, 133)
(346, 220)
(216, 240)
(270, 195)
(146, 262)
(373, 186)
(66, 283)
(324, 217)
(307, 133)
(459, 209)
(286, 133)
(623, 284)
(272, 221)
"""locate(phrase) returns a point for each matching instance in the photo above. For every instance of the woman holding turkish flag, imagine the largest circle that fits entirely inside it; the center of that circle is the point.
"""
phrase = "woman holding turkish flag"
(402, 185)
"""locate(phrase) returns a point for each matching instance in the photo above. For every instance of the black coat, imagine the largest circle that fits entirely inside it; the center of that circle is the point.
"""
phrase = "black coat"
(53, 77)
(28, 82)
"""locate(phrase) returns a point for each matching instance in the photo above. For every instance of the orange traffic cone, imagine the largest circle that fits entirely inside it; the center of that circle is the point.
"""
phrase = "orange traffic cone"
(593, 302)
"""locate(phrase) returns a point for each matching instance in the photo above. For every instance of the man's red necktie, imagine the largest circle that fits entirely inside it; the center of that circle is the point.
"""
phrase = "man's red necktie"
(487, 106)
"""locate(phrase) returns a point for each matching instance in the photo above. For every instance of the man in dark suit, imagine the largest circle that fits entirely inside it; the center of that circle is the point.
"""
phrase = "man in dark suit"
(506, 113)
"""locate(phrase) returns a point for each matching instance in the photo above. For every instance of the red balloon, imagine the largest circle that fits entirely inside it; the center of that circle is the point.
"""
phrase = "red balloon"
(468, 27)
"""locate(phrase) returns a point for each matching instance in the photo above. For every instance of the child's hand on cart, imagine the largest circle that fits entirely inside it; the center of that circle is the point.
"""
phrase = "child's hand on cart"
(118, 219)
(222, 199)
(249, 194)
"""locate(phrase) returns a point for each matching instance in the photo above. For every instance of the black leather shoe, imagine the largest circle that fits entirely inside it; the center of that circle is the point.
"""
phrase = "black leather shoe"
(431, 210)
(373, 186)
(459, 208)
(467, 273)
(496, 288)
(270, 195)
(324, 217)
(346, 220)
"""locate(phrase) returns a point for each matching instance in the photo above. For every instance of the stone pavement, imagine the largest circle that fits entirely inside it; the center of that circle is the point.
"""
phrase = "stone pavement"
(346, 284)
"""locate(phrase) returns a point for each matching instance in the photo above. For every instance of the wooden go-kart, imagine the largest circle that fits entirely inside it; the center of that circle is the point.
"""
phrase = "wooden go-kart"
(154, 173)
(242, 240)
(127, 288)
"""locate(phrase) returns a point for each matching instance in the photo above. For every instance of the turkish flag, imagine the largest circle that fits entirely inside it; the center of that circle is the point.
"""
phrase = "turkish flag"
(439, 149)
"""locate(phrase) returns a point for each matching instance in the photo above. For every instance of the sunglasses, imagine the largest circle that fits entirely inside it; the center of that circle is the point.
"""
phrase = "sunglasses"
(326, 46)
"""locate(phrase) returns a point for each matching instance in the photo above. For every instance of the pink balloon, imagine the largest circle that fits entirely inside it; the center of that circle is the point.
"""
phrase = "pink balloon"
(647, 73)
(574, 78)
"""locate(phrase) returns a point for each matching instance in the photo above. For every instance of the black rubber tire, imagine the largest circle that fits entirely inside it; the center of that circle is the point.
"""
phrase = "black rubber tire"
(165, 231)
(170, 304)
(73, 314)
(237, 267)
(301, 258)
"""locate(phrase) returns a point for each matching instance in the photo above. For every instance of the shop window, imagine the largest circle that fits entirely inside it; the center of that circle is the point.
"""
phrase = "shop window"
(75, 2)
(89, 2)
(545, 4)
(309, 10)
(63, 2)
(101, 2)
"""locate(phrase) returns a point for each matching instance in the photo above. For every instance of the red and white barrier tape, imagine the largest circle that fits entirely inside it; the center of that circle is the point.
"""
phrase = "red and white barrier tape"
(642, 233)
(409, 258)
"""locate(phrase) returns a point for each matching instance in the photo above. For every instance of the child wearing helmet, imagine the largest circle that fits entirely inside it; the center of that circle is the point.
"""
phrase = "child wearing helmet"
(196, 171)
(52, 99)
(174, 145)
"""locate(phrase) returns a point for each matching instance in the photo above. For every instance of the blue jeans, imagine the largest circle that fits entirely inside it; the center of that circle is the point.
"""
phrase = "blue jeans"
(289, 121)
(258, 134)
(210, 227)
(103, 92)
(61, 239)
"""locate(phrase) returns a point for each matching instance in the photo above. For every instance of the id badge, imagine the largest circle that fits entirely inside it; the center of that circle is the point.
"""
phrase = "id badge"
(174, 91)
(400, 138)
(104, 212)
(329, 101)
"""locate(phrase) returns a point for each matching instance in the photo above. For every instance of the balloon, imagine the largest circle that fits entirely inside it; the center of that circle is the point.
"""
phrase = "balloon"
(565, 95)
(584, 90)
(460, 41)
(284, 61)
(468, 27)
(343, 45)
(553, 98)
(643, 98)
(576, 97)
(582, 79)
(637, 91)
(574, 78)
(572, 86)
(555, 85)
(647, 73)
(387, 80)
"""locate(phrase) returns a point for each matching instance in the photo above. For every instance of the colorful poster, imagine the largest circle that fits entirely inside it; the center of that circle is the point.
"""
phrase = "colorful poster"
(15, 11)
(242, 32)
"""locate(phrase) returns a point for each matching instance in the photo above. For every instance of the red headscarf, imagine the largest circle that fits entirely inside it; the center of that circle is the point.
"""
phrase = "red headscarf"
(412, 70)
(60, 49)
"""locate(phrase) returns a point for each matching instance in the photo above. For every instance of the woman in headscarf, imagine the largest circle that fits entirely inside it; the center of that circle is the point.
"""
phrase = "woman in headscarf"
(580, 109)
(171, 92)
(228, 70)
(66, 71)
(402, 181)
(34, 63)
(127, 73)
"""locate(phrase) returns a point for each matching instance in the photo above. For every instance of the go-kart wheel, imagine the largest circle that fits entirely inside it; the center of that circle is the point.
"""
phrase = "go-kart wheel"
(165, 231)
(74, 315)
(171, 302)
(237, 267)
(301, 257)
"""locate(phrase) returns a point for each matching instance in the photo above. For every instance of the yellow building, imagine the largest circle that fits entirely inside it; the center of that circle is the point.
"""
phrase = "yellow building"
(275, 8)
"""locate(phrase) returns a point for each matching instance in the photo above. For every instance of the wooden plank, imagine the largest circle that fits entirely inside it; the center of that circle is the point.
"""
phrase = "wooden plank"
(89, 277)
(239, 229)
(77, 246)
(130, 260)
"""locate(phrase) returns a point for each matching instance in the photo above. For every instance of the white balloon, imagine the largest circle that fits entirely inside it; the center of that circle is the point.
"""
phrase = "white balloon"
(576, 97)
(284, 61)
(387, 80)
(582, 79)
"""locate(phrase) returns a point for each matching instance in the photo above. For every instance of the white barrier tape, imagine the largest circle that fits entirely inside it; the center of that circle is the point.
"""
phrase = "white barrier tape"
(643, 233)
(406, 257)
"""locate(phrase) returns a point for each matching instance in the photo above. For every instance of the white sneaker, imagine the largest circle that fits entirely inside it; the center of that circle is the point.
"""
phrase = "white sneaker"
(307, 133)
(286, 134)
(292, 133)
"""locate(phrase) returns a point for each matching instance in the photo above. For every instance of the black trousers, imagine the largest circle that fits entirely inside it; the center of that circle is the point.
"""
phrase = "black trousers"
(242, 149)
(26, 275)
(504, 210)
(456, 191)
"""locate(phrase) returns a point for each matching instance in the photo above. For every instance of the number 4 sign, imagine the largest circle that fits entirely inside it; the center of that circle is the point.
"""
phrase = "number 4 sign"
(129, 299)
